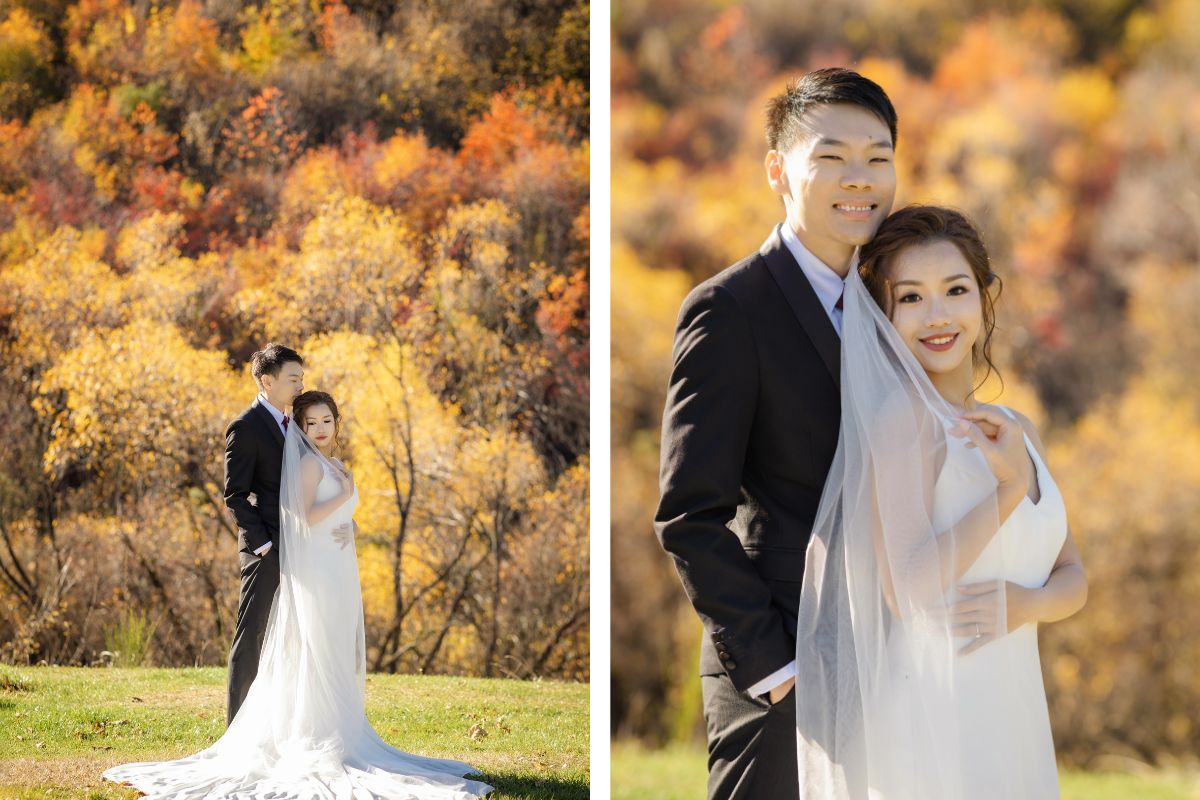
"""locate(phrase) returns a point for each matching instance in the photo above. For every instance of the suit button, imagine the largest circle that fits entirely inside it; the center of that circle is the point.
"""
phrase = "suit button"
(730, 665)
(724, 655)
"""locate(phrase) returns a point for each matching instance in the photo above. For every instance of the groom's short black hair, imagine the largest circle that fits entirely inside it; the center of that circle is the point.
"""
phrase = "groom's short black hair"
(823, 87)
(271, 359)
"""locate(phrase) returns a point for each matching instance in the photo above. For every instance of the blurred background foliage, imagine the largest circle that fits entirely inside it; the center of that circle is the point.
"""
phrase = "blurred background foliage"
(1070, 131)
(400, 191)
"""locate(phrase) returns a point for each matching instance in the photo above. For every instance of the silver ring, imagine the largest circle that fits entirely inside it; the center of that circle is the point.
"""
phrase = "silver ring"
(978, 632)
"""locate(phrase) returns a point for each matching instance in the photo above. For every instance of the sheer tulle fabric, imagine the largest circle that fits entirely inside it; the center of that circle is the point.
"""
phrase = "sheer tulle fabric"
(880, 689)
(302, 731)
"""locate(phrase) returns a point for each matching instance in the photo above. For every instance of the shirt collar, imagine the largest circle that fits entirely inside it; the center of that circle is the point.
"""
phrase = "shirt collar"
(275, 412)
(825, 282)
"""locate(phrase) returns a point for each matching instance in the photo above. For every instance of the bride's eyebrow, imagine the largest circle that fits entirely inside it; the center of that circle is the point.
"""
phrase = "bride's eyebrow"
(911, 282)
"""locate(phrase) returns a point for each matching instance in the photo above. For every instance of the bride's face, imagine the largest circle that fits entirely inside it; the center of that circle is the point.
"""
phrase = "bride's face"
(936, 306)
(320, 425)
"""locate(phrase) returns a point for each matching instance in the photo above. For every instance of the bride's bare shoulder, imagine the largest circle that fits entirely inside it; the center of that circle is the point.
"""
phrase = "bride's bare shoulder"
(310, 466)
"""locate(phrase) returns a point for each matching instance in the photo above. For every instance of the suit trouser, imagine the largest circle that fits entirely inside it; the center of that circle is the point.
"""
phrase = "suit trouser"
(751, 743)
(260, 580)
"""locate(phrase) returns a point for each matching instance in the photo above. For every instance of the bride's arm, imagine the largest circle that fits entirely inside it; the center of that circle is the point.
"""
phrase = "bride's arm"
(962, 545)
(310, 476)
(959, 545)
(1010, 463)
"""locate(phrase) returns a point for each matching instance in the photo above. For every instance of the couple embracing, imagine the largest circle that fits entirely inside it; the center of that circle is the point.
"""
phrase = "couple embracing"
(869, 547)
(297, 668)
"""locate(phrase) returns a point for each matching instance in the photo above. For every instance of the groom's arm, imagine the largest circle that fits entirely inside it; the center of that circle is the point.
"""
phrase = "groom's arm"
(239, 472)
(709, 413)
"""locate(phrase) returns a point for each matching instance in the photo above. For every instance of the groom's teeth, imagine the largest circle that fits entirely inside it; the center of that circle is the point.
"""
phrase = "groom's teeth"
(845, 207)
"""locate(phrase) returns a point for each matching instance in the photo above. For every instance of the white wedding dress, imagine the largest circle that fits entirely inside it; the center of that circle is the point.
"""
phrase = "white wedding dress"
(998, 700)
(302, 733)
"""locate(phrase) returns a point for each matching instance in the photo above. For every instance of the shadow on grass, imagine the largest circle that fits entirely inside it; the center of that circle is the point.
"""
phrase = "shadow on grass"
(518, 786)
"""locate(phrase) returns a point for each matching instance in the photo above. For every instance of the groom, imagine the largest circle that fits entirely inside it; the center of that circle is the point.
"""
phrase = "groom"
(752, 416)
(253, 466)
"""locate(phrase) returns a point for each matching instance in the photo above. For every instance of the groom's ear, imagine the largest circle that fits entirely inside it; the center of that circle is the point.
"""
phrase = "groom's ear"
(776, 174)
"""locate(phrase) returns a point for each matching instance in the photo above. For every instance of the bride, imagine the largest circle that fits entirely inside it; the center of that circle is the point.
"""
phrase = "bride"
(940, 543)
(302, 731)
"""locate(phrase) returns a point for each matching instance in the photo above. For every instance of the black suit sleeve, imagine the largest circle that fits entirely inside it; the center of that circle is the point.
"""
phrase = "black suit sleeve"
(240, 452)
(709, 413)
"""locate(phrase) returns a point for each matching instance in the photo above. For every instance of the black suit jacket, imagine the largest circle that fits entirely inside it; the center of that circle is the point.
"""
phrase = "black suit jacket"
(749, 433)
(254, 465)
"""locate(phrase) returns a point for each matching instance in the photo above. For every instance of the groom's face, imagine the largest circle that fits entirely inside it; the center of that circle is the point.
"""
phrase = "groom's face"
(838, 180)
(283, 388)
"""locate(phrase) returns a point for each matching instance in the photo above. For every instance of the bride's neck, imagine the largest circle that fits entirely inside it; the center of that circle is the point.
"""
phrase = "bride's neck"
(957, 388)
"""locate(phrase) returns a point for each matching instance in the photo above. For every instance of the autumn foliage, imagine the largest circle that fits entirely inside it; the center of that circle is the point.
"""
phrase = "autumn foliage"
(1069, 133)
(182, 182)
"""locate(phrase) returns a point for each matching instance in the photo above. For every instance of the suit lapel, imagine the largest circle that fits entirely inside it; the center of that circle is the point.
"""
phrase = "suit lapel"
(266, 418)
(804, 302)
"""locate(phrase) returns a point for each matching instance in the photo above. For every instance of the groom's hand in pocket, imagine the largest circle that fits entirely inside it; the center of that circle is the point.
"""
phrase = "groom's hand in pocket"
(781, 691)
(343, 534)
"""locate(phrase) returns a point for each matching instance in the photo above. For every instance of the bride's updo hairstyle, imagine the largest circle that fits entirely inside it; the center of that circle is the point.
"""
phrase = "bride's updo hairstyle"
(915, 225)
(306, 400)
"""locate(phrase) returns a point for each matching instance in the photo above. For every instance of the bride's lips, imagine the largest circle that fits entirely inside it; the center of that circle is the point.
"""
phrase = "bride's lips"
(860, 210)
(940, 342)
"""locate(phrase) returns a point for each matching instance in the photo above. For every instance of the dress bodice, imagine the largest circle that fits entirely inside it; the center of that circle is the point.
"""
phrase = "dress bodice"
(1026, 546)
(329, 487)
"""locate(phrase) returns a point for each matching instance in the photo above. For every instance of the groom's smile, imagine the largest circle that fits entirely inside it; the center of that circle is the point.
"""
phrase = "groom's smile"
(861, 212)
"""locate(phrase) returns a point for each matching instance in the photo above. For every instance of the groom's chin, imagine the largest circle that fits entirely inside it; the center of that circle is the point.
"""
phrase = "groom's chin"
(864, 235)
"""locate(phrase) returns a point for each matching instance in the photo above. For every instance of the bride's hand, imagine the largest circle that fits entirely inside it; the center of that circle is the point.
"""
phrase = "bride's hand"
(344, 534)
(1005, 450)
(976, 616)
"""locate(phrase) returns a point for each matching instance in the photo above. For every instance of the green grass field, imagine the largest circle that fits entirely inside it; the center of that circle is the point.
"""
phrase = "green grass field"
(60, 727)
(678, 773)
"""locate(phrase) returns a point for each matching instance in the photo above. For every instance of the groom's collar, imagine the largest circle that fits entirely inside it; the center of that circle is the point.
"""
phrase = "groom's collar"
(275, 412)
(825, 282)
(273, 419)
(803, 300)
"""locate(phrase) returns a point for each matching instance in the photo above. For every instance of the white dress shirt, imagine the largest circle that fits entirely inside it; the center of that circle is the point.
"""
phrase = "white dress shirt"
(829, 287)
(278, 415)
(825, 282)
